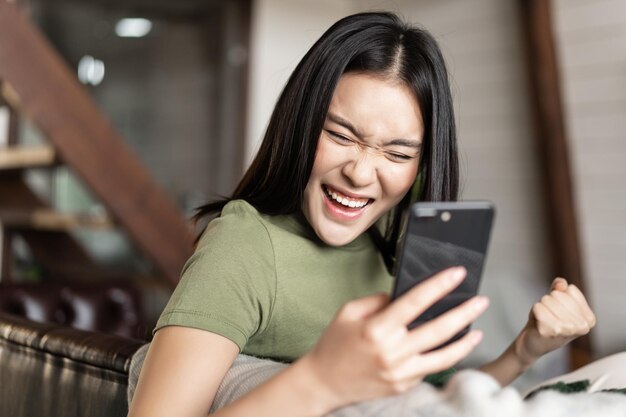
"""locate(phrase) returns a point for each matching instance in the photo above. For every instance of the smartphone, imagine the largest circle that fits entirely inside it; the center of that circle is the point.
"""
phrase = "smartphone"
(440, 235)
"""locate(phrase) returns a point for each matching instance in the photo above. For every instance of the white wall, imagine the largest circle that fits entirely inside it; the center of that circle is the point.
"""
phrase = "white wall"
(282, 32)
(482, 44)
(591, 40)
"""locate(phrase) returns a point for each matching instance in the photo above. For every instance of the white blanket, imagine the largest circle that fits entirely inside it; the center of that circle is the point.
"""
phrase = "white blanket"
(469, 394)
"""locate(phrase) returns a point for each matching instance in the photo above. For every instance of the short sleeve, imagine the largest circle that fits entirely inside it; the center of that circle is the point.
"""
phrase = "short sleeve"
(228, 285)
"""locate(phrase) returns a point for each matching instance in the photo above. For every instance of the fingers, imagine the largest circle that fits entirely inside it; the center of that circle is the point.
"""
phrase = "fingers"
(575, 293)
(563, 322)
(555, 320)
(441, 329)
(414, 302)
(437, 360)
(546, 321)
(569, 304)
(570, 308)
(561, 285)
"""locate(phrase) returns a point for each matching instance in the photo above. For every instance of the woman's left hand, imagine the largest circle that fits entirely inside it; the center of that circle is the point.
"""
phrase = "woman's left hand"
(557, 319)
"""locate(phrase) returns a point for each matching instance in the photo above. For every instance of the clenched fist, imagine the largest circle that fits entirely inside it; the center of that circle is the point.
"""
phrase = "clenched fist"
(557, 319)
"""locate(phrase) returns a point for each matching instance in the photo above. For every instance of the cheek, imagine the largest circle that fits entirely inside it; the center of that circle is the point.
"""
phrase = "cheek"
(399, 179)
(318, 163)
(327, 158)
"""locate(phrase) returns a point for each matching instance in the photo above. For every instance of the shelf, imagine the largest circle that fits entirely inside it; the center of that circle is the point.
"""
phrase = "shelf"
(50, 220)
(13, 158)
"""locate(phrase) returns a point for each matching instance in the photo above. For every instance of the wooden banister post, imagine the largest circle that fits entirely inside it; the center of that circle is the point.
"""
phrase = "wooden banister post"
(552, 146)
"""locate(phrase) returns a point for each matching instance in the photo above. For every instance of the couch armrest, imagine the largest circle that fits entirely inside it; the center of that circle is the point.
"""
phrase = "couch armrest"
(54, 370)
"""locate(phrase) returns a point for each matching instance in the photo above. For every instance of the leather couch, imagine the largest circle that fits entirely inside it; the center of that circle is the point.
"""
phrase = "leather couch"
(48, 368)
(53, 370)
(110, 307)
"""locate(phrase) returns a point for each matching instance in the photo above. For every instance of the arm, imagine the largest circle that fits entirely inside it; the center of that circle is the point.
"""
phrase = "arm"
(181, 372)
(556, 320)
(365, 353)
(184, 368)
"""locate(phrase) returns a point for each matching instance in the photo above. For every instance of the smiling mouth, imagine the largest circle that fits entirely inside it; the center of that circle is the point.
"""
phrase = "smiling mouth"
(344, 201)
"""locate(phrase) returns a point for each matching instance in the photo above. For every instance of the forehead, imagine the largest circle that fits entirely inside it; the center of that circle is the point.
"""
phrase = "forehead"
(377, 106)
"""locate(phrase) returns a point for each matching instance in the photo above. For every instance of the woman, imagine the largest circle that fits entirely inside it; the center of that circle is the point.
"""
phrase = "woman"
(294, 267)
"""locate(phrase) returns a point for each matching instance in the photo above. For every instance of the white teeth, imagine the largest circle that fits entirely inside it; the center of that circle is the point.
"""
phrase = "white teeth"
(345, 201)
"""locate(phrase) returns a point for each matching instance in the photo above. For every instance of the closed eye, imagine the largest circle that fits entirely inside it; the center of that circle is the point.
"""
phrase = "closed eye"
(398, 157)
(339, 138)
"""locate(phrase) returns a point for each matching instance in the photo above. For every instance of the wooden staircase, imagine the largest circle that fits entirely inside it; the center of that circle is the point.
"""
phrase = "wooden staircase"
(35, 82)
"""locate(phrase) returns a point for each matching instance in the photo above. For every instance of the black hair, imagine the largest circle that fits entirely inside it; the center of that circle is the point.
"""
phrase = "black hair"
(377, 43)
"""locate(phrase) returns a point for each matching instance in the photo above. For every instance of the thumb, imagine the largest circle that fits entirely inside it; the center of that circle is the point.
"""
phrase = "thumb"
(559, 284)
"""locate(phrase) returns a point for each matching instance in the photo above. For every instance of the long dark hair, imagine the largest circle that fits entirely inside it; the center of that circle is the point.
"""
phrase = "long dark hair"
(378, 43)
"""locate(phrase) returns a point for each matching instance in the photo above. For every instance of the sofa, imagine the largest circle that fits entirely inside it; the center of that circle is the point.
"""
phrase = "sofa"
(50, 367)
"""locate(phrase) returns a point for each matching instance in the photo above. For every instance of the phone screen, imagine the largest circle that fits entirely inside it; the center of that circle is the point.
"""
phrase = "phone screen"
(439, 236)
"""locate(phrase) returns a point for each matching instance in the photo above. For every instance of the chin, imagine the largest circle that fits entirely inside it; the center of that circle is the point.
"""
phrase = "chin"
(334, 236)
(337, 242)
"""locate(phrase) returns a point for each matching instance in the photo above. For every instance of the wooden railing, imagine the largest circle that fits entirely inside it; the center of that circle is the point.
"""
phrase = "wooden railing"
(38, 83)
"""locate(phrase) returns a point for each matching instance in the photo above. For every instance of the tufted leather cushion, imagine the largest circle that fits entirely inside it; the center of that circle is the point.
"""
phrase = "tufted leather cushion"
(53, 370)
(110, 308)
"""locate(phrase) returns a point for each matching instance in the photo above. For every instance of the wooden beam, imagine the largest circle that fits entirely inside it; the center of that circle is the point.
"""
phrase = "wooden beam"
(50, 94)
(552, 145)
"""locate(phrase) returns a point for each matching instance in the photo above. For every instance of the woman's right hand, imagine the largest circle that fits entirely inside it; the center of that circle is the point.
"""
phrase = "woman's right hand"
(368, 352)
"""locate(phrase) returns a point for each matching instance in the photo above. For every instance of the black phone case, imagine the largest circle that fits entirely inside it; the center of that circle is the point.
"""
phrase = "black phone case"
(440, 235)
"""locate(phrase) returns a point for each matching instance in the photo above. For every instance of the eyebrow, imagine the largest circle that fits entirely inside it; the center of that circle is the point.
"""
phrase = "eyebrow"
(405, 142)
(409, 143)
(343, 122)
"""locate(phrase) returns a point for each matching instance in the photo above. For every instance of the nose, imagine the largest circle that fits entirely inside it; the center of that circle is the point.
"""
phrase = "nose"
(361, 170)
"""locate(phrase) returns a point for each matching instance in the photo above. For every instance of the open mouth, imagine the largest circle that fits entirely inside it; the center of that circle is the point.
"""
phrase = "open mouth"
(345, 202)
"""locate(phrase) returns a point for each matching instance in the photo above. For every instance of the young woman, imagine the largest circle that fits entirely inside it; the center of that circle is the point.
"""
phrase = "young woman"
(294, 266)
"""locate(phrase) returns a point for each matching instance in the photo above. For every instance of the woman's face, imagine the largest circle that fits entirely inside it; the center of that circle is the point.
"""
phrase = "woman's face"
(367, 157)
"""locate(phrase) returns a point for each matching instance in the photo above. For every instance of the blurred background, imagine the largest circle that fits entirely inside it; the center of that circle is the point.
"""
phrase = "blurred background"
(189, 87)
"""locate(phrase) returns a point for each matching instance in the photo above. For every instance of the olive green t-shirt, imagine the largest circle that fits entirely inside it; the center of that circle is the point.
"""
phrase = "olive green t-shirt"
(269, 284)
